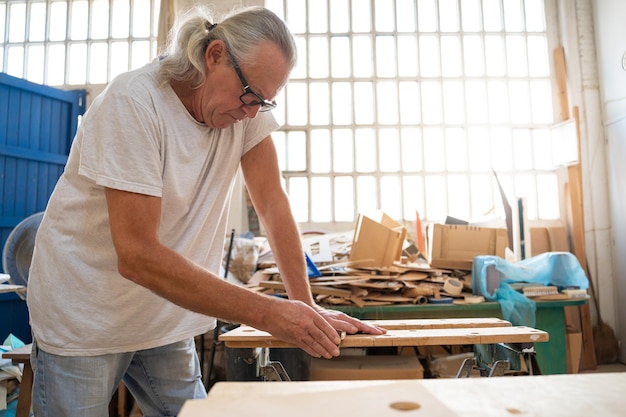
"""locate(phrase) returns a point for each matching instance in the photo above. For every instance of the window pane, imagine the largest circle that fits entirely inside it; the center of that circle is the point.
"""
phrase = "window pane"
(340, 60)
(78, 64)
(342, 103)
(318, 17)
(98, 63)
(141, 19)
(366, 192)
(449, 20)
(35, 64)
(140, 55)
(427, 15)
(471, 15)
(318, 57)
(407, 56)
(15, 61)
(473, 56)
(412, 155)
(295, 151)
(100, 19)
(431, 97)
(478, 149)
(320, 199)
(384, 17)
(387, 102)
(535, 20)
(548, 185)
(343, 160)
(405, 15)
(429, 56)
(520, 101)
(58, 21)
(434, 148)
(450, 56)
(389, 150)
(296, 15)
(361, 16)
(298, 188)
(320, 151)
(412, 194)
(491, 16)
(365, 148)
(541, 101)
(338, 11)
(121, 18)
(476, 101)
(494, 51)
(119, 58)
(385, 56)
(516, 56)
(391, 196)
(410, 108)
(436, 203)
(522, 149)
(538, 60)
(513, 16)
(3, 11)
(498, 102)
(454, 109)
(17, 22)
(344, 201)
(362, 57)
(78, 20)
(56, 65)
(458, 197)
(320, 103)
(37, 26)
(296, 103)
(363, 103)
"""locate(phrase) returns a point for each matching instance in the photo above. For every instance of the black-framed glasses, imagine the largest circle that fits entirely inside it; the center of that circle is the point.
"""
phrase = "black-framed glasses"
(249, 97)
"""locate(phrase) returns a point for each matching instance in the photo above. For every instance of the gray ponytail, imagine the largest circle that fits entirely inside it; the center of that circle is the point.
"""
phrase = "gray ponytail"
(242, 30)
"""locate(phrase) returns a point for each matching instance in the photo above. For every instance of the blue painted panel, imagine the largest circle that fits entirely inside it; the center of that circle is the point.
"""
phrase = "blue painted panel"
(37, 126)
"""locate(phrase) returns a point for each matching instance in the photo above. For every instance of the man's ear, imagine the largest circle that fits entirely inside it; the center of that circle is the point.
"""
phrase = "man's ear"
(215, 52)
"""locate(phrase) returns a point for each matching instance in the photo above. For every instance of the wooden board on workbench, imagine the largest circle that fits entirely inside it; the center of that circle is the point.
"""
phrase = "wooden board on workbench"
(249, 337)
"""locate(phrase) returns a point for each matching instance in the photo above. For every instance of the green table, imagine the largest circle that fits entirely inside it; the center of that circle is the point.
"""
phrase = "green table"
(551, 356)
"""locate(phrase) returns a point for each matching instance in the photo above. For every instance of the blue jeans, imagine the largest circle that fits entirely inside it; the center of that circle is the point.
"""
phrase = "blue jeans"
(160, 380)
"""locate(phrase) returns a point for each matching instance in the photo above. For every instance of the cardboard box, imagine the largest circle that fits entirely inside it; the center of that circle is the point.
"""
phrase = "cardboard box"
(344, 368)
(377, 243)
(548, 239)
(455, 246)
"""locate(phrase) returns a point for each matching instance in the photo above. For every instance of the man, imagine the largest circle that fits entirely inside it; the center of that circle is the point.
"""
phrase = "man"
(123, 273)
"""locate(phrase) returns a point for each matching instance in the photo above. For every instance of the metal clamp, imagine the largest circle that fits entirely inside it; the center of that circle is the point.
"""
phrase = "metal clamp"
(268, 369)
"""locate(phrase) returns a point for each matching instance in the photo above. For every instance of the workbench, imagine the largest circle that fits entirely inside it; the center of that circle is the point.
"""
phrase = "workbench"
(550, 317)
(401, 333)
(575, 395)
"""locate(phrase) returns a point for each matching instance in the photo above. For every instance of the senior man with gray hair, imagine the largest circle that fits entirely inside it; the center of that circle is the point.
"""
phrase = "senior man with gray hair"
(124, 270)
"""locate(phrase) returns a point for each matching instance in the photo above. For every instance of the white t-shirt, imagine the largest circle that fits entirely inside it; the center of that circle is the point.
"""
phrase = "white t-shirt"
(137, 136)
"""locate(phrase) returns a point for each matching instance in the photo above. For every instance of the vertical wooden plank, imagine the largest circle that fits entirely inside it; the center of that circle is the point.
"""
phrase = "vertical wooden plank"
(575, 193)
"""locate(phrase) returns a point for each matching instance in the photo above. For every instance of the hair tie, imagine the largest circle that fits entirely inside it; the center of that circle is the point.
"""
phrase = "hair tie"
(210, 27)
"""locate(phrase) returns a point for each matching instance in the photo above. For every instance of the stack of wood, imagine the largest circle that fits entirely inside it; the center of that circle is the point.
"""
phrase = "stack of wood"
(340, 284)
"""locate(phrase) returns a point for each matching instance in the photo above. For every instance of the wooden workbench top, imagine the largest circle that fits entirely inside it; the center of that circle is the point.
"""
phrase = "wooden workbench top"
(579, 395)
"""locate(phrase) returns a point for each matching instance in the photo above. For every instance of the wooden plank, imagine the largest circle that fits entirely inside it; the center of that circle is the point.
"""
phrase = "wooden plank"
(575, 196)
(594, 394)
(249, 337)
(457, 323)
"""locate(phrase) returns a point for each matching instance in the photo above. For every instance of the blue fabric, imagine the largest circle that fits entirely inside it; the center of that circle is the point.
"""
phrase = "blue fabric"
(561, 269)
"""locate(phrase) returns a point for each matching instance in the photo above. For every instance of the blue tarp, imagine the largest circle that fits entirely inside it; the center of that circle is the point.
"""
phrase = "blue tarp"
(492, 276)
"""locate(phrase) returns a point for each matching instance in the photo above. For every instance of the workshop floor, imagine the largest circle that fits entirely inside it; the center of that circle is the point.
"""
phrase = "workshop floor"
(611, 367)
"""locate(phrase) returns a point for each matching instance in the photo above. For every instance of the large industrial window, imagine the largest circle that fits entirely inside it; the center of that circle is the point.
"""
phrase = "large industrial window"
(411, 106)
(76, 42)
